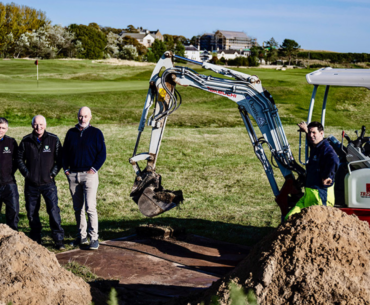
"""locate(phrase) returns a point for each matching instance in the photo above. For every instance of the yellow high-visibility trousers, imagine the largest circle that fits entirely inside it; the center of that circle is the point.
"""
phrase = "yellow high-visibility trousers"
(313, 197)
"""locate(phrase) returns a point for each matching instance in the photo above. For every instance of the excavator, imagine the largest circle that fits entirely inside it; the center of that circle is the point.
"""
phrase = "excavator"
(253, 102)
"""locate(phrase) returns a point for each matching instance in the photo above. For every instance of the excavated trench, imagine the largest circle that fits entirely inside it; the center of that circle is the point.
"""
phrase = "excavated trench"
(157, 265)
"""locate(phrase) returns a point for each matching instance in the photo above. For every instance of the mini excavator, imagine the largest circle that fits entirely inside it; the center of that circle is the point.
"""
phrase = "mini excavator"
(253, 101)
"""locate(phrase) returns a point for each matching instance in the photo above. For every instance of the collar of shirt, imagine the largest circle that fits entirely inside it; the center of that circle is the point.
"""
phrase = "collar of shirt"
(36, 137)
(78, 127)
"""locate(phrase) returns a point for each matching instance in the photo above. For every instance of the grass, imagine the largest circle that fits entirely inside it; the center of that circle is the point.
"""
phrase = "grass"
(227, 195)
(226, 192)
(116, 94)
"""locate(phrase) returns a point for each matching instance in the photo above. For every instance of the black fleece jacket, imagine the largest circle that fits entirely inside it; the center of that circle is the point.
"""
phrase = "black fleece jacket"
(40, 162)
(8, 160)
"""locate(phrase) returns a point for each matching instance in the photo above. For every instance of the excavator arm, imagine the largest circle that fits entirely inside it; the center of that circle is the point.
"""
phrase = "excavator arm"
(252, 101)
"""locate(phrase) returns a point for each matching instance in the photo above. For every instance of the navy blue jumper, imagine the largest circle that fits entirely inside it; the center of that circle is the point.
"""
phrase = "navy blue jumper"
(84, 149)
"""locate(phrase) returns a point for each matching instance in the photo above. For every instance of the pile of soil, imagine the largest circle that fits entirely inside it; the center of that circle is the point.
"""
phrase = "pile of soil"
(30, 274)
(320, 256)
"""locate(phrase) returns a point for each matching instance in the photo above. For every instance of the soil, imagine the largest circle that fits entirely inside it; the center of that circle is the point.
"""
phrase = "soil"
(320, 256)
(30, 274)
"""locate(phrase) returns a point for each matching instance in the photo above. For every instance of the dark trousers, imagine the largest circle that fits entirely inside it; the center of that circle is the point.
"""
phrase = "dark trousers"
(10, 196)
(33, 196)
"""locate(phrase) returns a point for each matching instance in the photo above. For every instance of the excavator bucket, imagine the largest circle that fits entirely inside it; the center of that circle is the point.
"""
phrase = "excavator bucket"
(151, 197)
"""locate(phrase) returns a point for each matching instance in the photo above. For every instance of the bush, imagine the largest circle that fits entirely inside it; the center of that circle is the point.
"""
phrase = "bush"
(336, 57)
(314, 66)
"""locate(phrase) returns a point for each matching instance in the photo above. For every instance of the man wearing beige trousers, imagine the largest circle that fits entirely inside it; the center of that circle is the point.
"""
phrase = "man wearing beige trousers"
(84, 154)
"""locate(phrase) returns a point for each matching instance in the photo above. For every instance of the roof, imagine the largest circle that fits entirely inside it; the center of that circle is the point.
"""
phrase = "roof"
(232, 34)
(228, 51)
(340, 77)
(137, 35)
(191, 48)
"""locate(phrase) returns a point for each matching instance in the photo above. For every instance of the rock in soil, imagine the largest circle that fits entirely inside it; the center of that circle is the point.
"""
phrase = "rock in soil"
(30, 274)
(320, 256)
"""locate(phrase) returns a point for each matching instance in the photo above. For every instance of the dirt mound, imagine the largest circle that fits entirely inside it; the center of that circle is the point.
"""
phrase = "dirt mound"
(321, 256)
(30, 274)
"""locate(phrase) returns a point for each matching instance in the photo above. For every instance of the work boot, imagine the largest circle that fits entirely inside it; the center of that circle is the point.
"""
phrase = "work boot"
(94, 245)
(79, 242)
(59, 245)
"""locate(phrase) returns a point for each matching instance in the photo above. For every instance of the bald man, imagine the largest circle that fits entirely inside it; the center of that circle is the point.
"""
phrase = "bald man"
(39, 161)
(84, 154)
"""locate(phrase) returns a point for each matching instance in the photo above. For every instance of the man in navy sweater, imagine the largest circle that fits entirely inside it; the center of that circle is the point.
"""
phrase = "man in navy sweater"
(84, 154)
(321, 168)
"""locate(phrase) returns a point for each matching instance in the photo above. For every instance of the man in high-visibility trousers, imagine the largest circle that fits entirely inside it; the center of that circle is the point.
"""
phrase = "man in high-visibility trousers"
(321, 168)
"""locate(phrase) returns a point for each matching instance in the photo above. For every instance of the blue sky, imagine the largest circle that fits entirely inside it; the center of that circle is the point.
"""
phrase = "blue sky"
(341, 25)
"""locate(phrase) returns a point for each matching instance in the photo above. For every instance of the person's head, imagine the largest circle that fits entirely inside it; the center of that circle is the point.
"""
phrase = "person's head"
(3, 127)
(315, 132)
(84, 116)
(39, 125)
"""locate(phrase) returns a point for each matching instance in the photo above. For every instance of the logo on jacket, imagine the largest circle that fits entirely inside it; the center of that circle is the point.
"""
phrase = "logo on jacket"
(314, 158)
(46, 148)
(6, 150)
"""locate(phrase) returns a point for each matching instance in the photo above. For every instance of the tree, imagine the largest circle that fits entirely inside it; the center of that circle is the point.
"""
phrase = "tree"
(107, 29)
(290, 48)
(94, 25)
(158, 48)
(128, 52)
(169, 42)
(127, 40)
(271, 55)
(93, 41)
(18, 20)
(271, 43)
(131, 29)
(112, 48)
(181, 39)
(38, 44)
(179, 49)
(59, 38)
(194, 40)
(150, 57)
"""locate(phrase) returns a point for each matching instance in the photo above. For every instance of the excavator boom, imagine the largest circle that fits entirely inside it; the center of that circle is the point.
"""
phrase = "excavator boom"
(252, 101)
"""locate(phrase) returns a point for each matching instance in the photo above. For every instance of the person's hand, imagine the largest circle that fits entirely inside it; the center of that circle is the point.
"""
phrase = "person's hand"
(303, 126)
(91, 172)
(327, 181)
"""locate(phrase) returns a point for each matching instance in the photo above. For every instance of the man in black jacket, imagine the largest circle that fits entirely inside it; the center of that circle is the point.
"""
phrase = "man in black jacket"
(84, 154)
(39, 161)
(8, 166)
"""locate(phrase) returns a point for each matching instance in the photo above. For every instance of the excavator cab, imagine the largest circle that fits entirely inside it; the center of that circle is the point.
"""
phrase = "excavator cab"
(352, 181)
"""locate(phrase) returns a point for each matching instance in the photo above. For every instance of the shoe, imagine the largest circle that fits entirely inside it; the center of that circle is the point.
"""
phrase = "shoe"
(94, 245)
(59, 245)
(79, 242)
